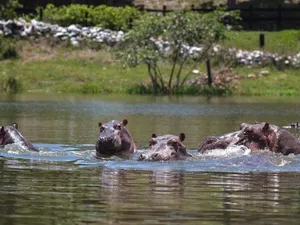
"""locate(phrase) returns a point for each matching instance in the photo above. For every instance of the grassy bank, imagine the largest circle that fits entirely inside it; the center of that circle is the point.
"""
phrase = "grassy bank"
(50, 66)
(282, 42)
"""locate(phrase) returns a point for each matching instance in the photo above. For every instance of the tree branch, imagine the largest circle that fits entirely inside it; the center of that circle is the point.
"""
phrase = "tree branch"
(159, 75)
(173, 67)
(200, 59)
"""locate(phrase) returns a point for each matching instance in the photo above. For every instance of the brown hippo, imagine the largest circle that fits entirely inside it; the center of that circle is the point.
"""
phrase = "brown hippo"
(258, 136)
(11, 135)
(254, 136)
(219, 142)
(114, 139)
(166, 147)
(286, 143)
(279, 140)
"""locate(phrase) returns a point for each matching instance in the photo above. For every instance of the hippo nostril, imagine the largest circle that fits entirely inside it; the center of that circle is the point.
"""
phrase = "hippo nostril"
(155, 156)
(142, 157)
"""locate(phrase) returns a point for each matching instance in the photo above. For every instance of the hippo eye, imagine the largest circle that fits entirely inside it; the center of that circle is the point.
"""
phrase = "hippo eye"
(101, 129)
(173, 142)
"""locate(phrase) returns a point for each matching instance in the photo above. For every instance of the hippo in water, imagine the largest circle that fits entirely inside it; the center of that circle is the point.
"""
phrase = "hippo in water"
(254, 136)
(11, 135)
(114, 139)
(166, 147)
(280, 140)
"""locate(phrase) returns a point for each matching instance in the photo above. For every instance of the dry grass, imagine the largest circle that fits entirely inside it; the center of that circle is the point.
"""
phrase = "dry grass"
(47, 49)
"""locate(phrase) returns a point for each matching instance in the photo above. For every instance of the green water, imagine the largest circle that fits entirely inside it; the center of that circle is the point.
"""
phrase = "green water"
(65, 184)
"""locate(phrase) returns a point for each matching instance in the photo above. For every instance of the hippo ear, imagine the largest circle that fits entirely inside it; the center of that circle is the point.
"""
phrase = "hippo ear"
(99, 124)
(16, 125)
(181, 137)
(1, 129)
(125, 122)
(266, 127)
(154, 135)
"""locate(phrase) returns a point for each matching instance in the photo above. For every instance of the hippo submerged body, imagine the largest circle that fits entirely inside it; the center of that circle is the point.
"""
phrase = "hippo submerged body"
(166, 147)
(114, 139)
(11, 135)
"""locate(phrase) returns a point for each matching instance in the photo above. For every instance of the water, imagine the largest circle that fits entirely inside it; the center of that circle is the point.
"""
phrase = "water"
(65, 184)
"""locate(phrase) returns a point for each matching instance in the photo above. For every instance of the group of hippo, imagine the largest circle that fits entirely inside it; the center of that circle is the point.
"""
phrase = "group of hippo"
(115, 140)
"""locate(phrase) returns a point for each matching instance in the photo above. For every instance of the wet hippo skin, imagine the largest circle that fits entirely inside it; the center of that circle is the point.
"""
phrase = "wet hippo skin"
(114, 139)
(165, 147)
(255, 136)
(11, 135)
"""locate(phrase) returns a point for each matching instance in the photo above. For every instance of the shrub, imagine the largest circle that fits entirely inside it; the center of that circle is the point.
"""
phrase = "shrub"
(8, 49)
(12, 85)
(114, 18)
(156, 40)
(8, 10)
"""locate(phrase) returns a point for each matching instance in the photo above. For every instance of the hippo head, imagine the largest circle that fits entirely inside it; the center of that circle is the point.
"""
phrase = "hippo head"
(255, 136)
(166, 147)
(113, 138)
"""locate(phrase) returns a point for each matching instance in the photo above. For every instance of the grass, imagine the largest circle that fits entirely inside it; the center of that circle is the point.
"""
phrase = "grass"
(275, 83)
(281, 42)
(175, 4)
(48, 66)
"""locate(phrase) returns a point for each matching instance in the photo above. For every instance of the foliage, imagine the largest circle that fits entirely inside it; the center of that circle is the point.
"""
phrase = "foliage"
(114, 18)
(8, 48)
(12, 85)
(155, 39)
(8, 10)
(143, 89)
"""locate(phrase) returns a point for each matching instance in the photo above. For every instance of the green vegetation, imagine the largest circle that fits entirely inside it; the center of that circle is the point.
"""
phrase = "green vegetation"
(278, 83)
(179, 29)
(8, 10)
(114, 18)
(45, 67)
(281, 42)
(48, 65)
(8, 48)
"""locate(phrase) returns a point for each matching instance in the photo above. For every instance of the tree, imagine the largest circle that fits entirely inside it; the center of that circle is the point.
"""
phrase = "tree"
(182, 39)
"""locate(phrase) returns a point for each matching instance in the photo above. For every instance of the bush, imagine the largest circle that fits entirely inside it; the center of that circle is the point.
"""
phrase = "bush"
(8, 10)
(12, 85)
(8, 49)
(114, 18)
(156, 40)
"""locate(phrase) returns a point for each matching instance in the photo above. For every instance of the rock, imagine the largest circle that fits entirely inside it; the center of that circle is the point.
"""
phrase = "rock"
(252, 76)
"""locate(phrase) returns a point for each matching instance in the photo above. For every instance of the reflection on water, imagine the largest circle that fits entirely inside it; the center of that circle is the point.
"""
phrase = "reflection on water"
(65, 184)
(109, 195)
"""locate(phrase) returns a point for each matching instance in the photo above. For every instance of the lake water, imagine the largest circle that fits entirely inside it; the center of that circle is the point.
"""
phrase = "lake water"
(65, 184)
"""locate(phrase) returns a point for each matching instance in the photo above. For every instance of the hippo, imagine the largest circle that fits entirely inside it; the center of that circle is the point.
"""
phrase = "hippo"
(219, 142)
(114, 139)
(258, 136)
(281, 141)
(11, 135)
(254, 136)
(165, 147)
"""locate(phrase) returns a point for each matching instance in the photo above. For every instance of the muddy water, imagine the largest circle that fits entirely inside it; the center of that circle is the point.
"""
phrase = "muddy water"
(65, 184)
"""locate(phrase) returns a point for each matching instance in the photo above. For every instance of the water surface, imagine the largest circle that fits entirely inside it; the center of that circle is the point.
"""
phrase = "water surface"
(65, 184)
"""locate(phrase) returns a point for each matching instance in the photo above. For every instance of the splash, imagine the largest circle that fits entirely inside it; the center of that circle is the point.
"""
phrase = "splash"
(231, 151)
